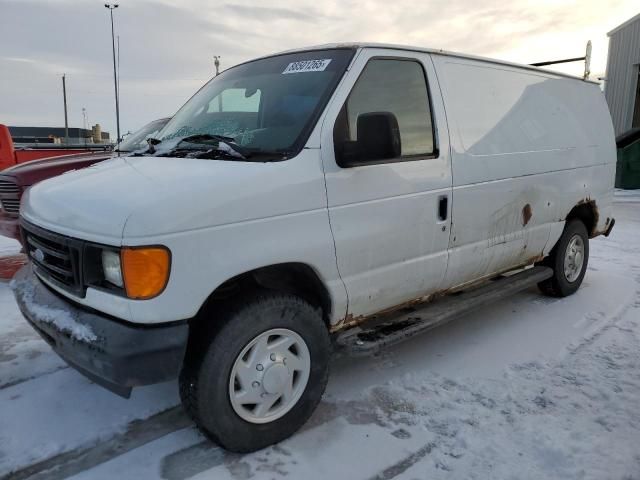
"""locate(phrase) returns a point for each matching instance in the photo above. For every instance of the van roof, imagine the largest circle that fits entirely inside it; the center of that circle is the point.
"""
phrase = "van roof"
(434, 51)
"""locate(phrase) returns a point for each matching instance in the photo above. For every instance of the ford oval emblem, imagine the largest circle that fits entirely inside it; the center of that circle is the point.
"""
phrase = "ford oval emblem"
(38, 255)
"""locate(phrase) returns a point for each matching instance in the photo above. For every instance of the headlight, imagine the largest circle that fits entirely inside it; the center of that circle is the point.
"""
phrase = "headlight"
(145, 271)
(111, 267)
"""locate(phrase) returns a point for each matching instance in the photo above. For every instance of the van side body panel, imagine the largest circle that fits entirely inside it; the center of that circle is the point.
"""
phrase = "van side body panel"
(526, 147)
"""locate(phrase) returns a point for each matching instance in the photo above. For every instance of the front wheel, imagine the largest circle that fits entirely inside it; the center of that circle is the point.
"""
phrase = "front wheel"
(568, 259)
(261, 375)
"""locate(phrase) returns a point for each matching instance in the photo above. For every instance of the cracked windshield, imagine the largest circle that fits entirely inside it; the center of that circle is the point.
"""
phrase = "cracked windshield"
(264, 107)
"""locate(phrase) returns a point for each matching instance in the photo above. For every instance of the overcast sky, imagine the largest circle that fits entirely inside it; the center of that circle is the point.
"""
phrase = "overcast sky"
(167, 47)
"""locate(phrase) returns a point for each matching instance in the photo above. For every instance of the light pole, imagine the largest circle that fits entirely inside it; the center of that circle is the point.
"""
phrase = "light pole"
(64, 96)
(112, 7)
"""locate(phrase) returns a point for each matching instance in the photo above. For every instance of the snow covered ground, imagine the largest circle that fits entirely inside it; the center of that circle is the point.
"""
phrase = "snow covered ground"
(530, 388)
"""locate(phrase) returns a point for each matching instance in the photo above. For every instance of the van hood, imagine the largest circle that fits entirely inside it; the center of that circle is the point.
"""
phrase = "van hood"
(140, 197)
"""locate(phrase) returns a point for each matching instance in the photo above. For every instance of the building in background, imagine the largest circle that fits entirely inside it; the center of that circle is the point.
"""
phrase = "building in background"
(622, 87)
(28, 136)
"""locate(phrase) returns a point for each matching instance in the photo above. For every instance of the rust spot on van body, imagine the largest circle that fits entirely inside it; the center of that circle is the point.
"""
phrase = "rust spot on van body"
(527, 213)
(588, 202)
(350, 320)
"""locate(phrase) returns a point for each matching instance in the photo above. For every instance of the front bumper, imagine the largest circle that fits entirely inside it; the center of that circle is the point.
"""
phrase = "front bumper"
(112, 353)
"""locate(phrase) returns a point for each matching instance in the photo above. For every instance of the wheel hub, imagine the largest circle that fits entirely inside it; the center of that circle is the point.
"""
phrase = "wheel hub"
(275, 378)
(574, 258)
(269, 375)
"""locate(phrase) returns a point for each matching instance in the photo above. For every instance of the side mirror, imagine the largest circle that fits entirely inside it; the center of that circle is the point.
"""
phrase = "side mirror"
(378, 139)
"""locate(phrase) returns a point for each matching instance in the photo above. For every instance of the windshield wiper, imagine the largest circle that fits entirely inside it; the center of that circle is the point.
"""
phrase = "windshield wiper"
(205, 152)
(202, 152)
(203, 137)
(205, 145)
(277, 155)
(192, 143)
(196, 138)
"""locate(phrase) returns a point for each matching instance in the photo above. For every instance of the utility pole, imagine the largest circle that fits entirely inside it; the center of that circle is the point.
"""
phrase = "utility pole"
(112, 7)
(118, 68)
(64, 98)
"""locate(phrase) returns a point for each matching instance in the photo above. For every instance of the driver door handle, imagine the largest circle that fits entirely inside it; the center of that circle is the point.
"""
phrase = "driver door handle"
(443, 208)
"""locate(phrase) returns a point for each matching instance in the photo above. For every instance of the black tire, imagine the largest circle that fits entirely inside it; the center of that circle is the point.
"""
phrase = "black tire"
(204, 381)
(558, 285)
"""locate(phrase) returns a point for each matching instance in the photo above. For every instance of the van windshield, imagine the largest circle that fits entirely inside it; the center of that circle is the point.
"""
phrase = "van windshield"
(260, 108)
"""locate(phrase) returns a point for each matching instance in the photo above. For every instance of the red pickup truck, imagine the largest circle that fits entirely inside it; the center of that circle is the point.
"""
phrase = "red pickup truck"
(10, 156)
(15, 180)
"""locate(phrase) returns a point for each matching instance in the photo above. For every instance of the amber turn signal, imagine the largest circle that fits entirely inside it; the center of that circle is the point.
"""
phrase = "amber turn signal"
(145, 271)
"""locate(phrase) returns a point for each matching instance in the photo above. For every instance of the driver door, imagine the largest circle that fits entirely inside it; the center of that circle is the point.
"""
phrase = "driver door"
(390, 218)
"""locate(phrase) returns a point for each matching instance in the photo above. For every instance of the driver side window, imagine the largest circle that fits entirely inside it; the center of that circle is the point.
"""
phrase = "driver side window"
(398, 87)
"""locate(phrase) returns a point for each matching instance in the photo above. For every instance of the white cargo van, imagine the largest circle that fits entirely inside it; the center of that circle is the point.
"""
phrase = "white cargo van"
(330, 198)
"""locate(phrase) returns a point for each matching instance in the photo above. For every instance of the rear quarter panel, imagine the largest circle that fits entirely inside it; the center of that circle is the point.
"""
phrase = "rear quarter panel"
(526, 147)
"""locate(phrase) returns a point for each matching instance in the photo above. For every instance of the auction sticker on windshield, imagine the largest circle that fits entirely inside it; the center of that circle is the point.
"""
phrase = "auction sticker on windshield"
(307, 66)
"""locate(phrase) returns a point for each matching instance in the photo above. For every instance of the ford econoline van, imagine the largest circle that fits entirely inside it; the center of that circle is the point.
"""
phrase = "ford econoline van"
(328, 199)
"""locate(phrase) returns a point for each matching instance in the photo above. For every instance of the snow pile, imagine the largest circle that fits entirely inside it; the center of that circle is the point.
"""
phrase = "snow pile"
(64, 411)
(540, 421)
(57, 317)
(627, 196)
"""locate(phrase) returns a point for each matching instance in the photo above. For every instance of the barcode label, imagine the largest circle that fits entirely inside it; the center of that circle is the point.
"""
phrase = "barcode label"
(307, 66)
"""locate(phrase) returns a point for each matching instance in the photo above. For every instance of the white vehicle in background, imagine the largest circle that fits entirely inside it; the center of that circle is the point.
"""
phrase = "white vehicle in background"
(324, 198)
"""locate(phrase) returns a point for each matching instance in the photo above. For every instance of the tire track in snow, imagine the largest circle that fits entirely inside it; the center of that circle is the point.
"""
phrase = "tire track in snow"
(610, 321)
(403, 465)
(138, 433)
(18, 381)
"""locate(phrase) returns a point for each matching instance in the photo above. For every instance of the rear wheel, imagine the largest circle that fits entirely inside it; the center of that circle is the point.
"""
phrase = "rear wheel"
(260, 376)
(568, 259)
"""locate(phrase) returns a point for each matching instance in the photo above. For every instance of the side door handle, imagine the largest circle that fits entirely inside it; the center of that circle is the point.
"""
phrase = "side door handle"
(443, 208)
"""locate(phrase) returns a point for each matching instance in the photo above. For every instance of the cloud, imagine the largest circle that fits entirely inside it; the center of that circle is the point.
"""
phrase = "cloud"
(270, 13)
(43, 65)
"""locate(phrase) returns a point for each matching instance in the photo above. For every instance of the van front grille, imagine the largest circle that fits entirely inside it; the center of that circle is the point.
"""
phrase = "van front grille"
(55, 257)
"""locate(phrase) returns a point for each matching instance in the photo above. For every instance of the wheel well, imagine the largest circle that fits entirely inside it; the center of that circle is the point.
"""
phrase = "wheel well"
(587, 213)
(295, 278)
